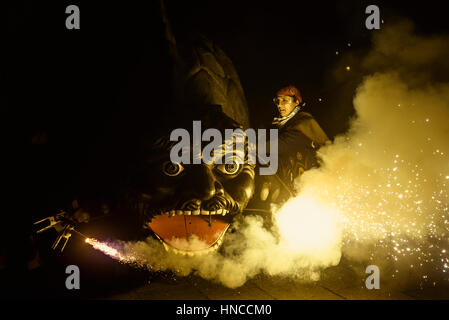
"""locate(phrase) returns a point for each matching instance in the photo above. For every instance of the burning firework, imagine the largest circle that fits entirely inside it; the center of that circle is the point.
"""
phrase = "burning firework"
(110, 251)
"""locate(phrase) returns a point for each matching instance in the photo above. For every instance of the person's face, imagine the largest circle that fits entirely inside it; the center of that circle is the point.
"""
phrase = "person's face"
(285, 104)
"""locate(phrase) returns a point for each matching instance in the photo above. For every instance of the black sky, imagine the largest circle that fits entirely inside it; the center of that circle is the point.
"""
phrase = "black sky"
(72, 74)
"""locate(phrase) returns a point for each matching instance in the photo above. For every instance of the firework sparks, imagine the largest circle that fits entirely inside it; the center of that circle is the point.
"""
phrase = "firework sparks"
(387, 210)
(110, 251)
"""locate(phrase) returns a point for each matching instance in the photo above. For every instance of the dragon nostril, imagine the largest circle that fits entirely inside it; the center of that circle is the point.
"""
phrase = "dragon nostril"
(219, 190)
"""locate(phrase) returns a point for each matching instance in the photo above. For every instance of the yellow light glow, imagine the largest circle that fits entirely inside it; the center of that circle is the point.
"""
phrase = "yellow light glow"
(307, 226)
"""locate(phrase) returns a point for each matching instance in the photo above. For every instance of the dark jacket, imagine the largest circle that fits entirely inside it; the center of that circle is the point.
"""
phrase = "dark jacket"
(298, 140)
(305, 123)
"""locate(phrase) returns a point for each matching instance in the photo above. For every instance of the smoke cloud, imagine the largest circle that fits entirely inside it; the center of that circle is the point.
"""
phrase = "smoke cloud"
(249, 250)
(381, 194)
(389, 174)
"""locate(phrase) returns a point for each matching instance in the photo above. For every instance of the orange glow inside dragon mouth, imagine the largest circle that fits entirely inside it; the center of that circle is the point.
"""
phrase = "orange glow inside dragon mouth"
(177, 231)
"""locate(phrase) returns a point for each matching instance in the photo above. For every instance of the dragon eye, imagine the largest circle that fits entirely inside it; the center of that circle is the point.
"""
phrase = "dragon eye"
(172, 169)
(229, 168)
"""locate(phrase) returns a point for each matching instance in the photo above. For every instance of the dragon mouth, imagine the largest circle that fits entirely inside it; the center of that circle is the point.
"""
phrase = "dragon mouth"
(191, 233)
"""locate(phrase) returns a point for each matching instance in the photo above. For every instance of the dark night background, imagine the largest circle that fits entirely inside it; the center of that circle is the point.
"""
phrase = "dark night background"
(66, 90)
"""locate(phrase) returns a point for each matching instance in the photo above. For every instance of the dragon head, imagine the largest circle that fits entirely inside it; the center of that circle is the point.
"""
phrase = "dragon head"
(189, 207)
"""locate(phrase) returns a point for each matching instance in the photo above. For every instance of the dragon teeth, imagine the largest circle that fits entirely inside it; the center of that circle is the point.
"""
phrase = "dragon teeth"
(195, 212)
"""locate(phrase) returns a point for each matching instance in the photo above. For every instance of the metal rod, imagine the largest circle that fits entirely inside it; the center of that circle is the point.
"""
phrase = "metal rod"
(82, 235)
